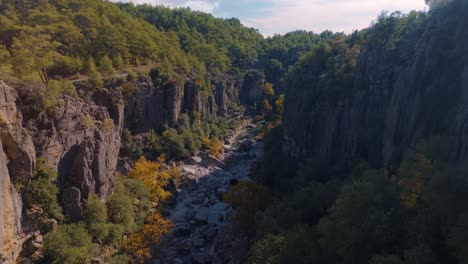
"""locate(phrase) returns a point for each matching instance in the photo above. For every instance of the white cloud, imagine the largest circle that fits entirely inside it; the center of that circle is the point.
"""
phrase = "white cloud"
(282, 16)
(319, 15)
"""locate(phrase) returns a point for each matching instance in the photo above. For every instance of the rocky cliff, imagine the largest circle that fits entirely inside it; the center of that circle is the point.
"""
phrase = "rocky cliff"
(398, 97)
(82, 141)
(154, 105)
(79, 139)
(17, 161)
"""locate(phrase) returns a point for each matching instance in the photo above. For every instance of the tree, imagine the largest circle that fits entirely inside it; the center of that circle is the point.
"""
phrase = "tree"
(4, 56)
(106, 67)
(268, 250)
(34, 51)
(346, 238)
(141, 243)
(155, 178)
(43, 192)
(91, 68)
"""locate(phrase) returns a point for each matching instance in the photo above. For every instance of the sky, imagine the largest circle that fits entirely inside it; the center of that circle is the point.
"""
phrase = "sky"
(281, 16)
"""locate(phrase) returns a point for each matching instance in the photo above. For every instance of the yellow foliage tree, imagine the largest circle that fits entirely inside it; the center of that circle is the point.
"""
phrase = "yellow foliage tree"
(154, 177)
(141, 243)
(214, 146)
(413, 176)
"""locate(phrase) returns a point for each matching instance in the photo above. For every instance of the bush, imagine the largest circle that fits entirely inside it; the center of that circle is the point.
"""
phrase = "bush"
(115, 234)
(44, 193)
(108, 124)
(99, 231)
(268, 250)
(119, 259)
(174, 145)
(95, 211)
(120, 210)
(67, 244)
(74, 255)
(57, 88)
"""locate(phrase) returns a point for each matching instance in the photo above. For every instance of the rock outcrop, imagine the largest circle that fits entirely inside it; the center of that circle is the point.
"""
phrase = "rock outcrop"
(160, 104)
(17, 161)
(82, 141)
(399, 97)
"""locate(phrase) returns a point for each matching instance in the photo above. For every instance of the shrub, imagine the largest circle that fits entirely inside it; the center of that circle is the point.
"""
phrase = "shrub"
(108, 124)
(67, 244)
(74, 255)
(99, 231)
(120, 210)
(88, 122)
(43, 192)
(268, 250)
(119, 259)
(174, 144)
(95, 211)
(115, 234)
(55, 89)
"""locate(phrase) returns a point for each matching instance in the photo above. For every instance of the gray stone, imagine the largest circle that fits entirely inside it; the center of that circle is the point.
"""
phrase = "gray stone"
(201, 217)
(72, 203)
(201, 258)
(199, 242)
(212, 161)
(194, 160)
(210, 233)
(220, 193)
(184, 248)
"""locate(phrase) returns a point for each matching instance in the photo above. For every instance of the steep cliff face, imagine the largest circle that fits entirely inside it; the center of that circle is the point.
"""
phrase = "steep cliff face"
(17, 160)
(397, 97)
(156, 106)
(82, 141)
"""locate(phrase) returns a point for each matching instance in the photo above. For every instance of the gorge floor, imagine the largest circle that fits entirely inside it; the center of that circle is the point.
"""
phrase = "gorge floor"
(203, 228)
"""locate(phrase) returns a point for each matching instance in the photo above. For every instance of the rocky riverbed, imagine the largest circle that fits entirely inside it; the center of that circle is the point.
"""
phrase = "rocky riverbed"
(204, 231)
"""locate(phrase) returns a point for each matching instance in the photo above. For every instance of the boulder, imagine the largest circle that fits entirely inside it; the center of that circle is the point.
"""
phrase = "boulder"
(199, 243)
(72, 203)
(184, 248)
(212, 161)
(201, 217)
(201, 258)
(246, 146)
(220, 193)
(195, 160)
(210, 233)
(182, 230)
(233, 181)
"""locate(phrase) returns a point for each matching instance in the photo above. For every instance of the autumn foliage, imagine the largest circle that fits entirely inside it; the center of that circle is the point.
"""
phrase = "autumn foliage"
(214, 146)
(413, 178)
(155, 177)
(143, 242)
